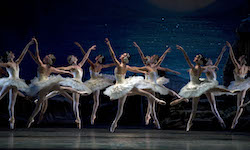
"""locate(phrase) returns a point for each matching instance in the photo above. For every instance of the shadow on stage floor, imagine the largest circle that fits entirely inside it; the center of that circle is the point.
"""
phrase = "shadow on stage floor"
(70, 138)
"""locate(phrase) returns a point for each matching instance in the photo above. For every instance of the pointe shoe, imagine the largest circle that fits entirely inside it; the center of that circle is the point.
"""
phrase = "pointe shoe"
(223, 125)
(83, 93)
(157, 125)
(12, 123)
(30, 122)
(161, 102)
(93, 120)
(235, 91)
(234, 125)
(177, 101)
(112, 128)
(147, 119)
(189, 125)
(78, 123)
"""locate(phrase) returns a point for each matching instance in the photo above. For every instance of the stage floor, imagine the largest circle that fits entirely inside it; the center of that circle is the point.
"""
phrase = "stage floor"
(69, 138)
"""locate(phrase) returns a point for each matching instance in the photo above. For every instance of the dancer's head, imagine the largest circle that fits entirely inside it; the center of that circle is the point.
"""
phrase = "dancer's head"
(154, 58)
(242, 60)
(10, 56)
(125, 57)
(209, 62)
(72, 59)
(100, 59)
(49, 59)
(200, 60)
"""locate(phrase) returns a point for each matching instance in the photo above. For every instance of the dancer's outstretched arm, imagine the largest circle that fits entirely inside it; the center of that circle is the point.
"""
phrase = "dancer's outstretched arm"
(220, 56)
(236, 64)
(20, 58)
(135, 69)
(143, 58)
(65, 68)
(4, 65)
(108, 65)
(86, 56)
(185, 56)
(112, 53)
(162, 57)
(56, 70)
(84, 53)
(168, 70)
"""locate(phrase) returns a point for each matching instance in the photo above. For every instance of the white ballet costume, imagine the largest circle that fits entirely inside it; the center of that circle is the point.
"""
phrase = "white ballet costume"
(76, 82)
(153, 82)
(42, 82)
(99, 81)
(13, 79)
(196, 87)
(122, 86)
(213, 78)
(241, 82)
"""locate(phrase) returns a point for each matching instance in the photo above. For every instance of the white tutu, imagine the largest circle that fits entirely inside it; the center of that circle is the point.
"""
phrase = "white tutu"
(36, 85)
(240, 85)
(17, 82)
(145, 84)
(75, 84)
(100, 82)
(162, 80)
(122, 86)
(195, 89)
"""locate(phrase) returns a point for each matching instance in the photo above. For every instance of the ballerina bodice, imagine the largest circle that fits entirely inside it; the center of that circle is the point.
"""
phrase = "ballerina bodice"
(120, 78)
(152, 76)
(211, 75)
(77, 74)
(194, 78)
(239, 77)
(42, 76)
(93, 74)
(13, 72)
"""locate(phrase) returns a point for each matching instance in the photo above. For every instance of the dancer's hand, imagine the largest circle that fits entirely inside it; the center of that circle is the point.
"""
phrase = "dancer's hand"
(34, 39)
(107, 41)
(228, 44)
(135, 44)
(168, 50)
(93, 48)
(179, 47)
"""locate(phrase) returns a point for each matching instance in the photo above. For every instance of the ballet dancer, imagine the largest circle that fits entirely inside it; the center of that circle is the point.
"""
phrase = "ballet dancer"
(126, 86)
(97, 81)
(13, 83)
(241, 82)
(152, 65)
(196, 87)
(44, 83)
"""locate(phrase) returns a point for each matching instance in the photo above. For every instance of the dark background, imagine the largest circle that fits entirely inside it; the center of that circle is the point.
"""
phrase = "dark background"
(199, 26)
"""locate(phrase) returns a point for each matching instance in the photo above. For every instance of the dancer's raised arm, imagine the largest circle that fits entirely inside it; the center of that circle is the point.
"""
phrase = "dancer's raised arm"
(236, 64)
(143, 58)
(83, 52)
(168, 70)
(185, 56)
(86, 56)
(162, 57)
(39, 61)
(220, 56)
(33, 57)
(111, 51)
(20, 58)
